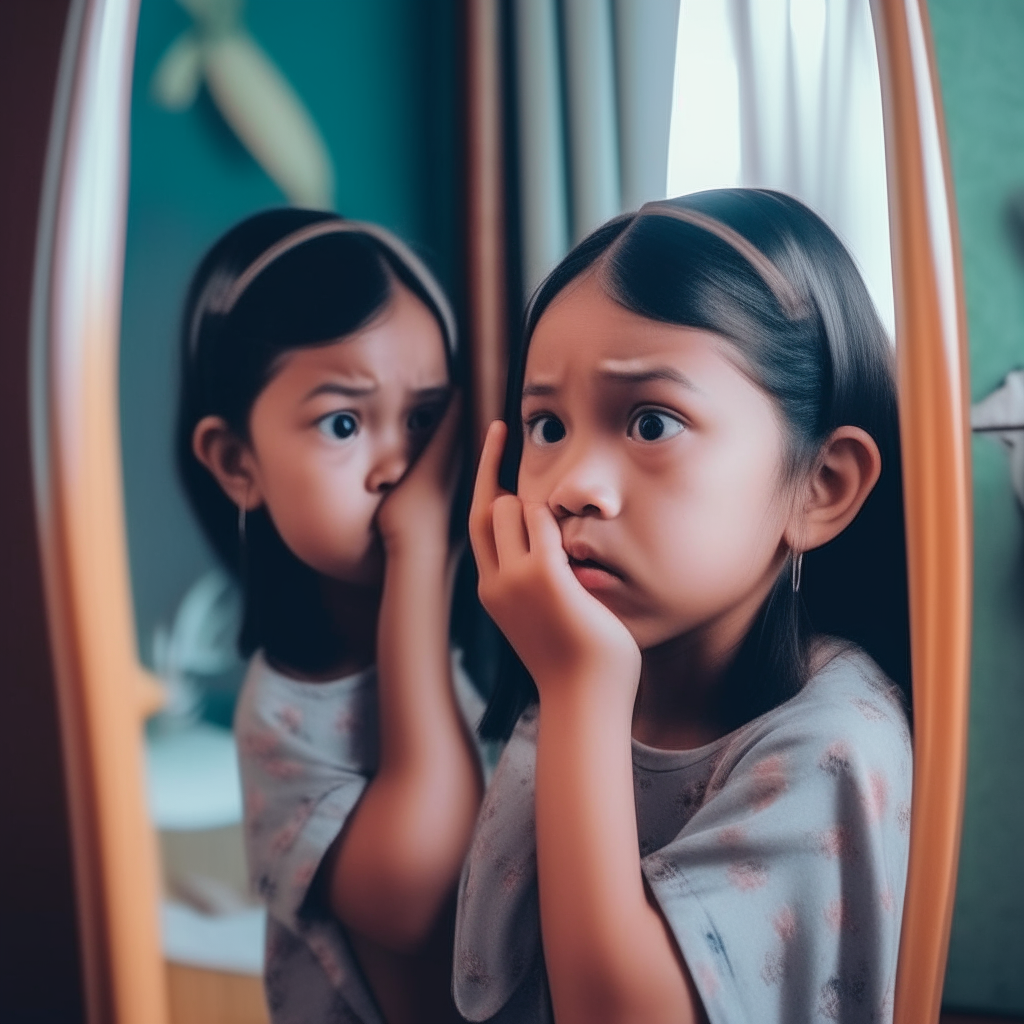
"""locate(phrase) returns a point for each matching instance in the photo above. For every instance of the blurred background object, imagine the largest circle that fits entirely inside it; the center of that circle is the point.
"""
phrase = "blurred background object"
(253, 97)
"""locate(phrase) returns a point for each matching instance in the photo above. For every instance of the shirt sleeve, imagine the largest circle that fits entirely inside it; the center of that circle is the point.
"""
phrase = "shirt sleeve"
(304, 765)
(497, 955)
(784, 891)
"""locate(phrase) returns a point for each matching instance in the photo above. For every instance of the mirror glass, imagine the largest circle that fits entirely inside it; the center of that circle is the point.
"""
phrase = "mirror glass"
(236, 108)
(357, 107)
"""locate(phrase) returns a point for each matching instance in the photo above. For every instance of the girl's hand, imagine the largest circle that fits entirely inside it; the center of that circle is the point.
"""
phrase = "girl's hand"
(564, 636)
(415, 515)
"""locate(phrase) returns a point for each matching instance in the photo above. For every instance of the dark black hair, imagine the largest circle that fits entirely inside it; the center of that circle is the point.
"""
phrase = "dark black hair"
(280, 280)
(763, 271)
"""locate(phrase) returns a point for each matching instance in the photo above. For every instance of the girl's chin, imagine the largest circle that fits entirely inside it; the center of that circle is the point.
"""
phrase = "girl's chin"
(366, 573)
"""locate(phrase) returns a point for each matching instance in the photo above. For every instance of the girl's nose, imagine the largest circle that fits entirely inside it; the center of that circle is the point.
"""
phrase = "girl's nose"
(388, 468)
(586, 488)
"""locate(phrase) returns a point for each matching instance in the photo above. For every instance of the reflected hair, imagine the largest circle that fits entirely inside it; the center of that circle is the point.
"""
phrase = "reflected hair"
(278, 281)
(762, 271)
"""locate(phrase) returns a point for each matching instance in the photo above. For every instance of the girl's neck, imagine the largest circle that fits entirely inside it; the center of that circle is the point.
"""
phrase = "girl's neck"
(679, 701)
(676, 703)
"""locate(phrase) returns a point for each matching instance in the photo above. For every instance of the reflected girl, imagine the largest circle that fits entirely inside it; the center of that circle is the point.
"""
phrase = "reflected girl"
(317, 441)
(702, 569)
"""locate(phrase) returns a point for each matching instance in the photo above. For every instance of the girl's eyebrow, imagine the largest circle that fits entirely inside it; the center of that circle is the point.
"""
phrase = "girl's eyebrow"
(433, 394)
(347, 390)
(535, 390)
(627, 373)
(632, 373)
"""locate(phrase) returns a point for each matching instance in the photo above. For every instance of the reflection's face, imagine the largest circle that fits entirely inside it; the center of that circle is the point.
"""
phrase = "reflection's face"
(336, 428)
(661, 460)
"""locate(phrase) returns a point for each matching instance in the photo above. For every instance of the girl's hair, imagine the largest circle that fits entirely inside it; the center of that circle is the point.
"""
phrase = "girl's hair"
(763, 271)
(280, 280)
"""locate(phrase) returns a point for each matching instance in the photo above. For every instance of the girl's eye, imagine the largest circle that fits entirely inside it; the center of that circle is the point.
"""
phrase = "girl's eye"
(654, 426)
(423, 419)
(546, 430)
(339, 426)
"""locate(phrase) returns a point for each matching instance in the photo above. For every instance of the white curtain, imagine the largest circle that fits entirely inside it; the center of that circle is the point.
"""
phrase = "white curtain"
(594, 92)
(785, 94)
(624, 101)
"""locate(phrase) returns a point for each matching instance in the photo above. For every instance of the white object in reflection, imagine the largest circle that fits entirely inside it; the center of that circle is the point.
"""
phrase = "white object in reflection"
(252, 94)
(224, 942)
(201, 642)
(193, 778)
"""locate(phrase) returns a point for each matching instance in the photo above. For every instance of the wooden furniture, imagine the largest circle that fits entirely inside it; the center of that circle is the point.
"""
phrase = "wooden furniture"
(214, 997)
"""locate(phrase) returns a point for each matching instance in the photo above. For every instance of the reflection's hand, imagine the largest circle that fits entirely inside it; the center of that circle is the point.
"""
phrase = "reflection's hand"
(418, 510)
(563, 634)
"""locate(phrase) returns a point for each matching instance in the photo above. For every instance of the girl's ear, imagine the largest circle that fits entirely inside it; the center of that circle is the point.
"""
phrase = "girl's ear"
(847, 470)
(229, 459)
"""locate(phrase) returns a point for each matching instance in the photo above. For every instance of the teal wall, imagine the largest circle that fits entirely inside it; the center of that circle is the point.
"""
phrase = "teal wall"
(980, 52)
(380, 79)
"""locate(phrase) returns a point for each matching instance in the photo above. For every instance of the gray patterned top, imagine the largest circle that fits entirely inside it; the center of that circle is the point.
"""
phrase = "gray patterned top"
(777, 854)
(306, 752)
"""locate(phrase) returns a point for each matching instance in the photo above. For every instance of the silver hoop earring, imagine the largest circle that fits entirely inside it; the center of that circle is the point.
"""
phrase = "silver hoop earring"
(241, 525)
(796, 569)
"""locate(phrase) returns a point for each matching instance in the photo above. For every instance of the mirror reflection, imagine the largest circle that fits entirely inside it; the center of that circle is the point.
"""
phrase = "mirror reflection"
(236, 110)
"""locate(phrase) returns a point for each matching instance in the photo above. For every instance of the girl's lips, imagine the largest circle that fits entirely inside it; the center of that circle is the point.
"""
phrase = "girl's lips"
(593, 575)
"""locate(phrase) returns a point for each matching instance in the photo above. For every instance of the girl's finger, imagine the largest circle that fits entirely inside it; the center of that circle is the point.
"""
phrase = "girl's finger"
(543, 534)
(510, 538)
(481, 539)
(485, 490)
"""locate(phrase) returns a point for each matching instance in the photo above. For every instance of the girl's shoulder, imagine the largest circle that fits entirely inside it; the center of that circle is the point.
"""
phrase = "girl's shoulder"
(848, 690)
(274, 704)
(270, 699)
(848, 721)
(264, 680)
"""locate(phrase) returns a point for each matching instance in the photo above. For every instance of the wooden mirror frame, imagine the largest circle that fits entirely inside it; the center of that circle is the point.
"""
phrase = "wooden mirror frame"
(104, 694)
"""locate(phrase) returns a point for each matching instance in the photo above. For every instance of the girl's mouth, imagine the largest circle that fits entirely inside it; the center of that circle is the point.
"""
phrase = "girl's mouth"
(594, 575)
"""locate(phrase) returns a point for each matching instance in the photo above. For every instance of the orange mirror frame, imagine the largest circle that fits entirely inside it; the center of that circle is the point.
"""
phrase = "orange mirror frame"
(931, 349)
(104, 694)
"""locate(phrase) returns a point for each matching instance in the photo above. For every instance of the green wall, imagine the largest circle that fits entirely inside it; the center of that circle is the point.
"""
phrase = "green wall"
(379, 77)
(980, 52)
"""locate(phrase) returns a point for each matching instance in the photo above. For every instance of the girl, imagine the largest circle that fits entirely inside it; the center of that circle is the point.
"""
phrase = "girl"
(702, 570)
(318, 361)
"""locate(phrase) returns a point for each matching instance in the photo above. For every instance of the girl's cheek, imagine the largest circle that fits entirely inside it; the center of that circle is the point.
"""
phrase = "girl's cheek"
(530, 485)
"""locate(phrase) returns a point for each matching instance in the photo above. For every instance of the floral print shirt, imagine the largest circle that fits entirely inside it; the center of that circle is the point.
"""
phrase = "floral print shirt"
(777, 854)
(306, 753)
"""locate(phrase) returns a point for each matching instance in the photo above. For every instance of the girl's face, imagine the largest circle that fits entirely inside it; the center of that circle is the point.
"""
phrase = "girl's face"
(336, 428)
(662, 462)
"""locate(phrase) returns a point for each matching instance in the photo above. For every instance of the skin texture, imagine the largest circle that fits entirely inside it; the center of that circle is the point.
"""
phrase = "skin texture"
(370, 511)
(626, 572)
